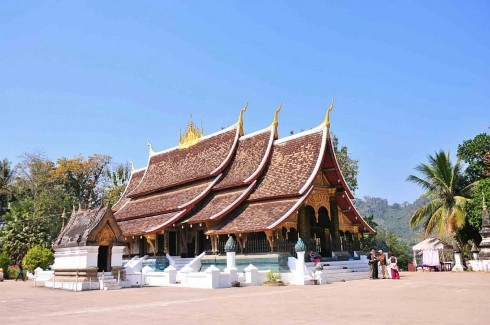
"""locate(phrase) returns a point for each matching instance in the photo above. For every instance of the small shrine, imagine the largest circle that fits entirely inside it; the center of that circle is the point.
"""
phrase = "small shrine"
(90, 243)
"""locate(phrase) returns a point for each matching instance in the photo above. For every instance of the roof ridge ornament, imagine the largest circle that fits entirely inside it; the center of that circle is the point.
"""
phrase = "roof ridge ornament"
(191, 136)
(240, 119)
(150, 147)
(132, 165)
(326, 122)
(275, 122)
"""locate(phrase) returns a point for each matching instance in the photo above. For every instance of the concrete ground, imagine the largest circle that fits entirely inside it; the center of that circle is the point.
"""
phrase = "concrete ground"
(418, 298)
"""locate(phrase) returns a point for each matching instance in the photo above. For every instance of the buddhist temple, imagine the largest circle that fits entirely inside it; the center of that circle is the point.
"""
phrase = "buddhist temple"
(264, 191)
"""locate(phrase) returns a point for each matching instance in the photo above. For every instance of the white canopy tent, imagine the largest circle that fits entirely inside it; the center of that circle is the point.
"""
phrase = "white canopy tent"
(432, 251)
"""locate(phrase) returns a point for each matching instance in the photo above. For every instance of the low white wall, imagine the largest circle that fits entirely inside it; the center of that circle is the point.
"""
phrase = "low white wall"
(75, 257)
(116, 255)
(479, 265)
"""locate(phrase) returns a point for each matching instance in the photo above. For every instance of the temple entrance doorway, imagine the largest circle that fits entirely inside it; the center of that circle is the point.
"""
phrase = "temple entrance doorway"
(191, 247)
(324, 232)
(203, 242)
(103, 259)
(173, 240)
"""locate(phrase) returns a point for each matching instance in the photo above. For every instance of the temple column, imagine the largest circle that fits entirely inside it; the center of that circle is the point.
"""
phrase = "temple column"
(270, 238)
(334, 215)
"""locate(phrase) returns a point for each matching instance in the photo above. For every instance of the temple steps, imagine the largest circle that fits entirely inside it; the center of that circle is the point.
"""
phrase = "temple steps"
(108, 281)
(340, 271)
(180, 262)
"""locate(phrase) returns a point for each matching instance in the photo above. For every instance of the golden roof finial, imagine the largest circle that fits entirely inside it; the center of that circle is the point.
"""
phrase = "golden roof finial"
(191, 136)
(150, 147)
(327, 116)
(275, 123)
(240, 118)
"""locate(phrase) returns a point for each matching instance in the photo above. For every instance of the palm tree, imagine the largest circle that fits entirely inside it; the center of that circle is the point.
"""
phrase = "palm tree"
(448, 193)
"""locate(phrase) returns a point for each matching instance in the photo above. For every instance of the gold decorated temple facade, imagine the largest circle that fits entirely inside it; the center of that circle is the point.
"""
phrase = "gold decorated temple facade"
(263, 190)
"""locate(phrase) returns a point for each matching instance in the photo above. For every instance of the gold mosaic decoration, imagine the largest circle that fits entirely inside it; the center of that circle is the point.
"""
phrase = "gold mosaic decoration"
(191, 136)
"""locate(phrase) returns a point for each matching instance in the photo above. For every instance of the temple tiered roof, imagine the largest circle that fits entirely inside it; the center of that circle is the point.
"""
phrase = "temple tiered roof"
(234, 183)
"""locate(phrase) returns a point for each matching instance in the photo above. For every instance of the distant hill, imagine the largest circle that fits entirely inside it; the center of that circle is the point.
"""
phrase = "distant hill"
(392, 217)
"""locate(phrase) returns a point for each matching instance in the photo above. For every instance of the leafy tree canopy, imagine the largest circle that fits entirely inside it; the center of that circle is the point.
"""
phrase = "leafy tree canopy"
(476, 153)
(36, 257)
(348, 166)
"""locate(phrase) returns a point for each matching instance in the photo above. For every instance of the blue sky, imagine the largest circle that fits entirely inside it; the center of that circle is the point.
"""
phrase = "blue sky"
(85, 77)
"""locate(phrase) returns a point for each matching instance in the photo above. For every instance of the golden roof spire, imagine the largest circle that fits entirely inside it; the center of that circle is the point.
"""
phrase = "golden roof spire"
(240, 118)
(326, 122)
(191, 136)
(275, 123)
(150, 147)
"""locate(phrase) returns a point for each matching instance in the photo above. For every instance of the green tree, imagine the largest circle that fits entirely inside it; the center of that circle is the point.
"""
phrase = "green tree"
(447, 191)
(36, 257)
(23, 231)
(348, 166)
(401, 250)
(83, 178)
(5, 263)
(368, 241)
(118, 178)
(476, 153)
(473, 209)
(6, 178)
(38, 193)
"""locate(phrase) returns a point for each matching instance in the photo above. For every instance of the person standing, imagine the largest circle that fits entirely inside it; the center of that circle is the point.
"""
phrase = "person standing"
(20, 273)
(395, 275)
(373, 265)
(382, 262)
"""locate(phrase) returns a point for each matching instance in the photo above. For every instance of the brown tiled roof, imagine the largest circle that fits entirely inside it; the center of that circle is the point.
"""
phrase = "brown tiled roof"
(258, 216)
(133, 182)
(207, 158)
(249, 160)
(220, 203)
(164, 202)
(83, 226)
(294, 161)
(145, 225)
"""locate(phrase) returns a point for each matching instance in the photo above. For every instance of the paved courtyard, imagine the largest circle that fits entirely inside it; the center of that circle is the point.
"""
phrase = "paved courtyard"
(418, 298)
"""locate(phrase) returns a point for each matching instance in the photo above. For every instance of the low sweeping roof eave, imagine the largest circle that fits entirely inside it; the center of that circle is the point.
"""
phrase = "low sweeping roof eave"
(266, 227)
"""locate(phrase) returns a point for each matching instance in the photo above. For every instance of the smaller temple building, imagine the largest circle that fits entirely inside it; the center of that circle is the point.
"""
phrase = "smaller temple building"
(90, 243)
